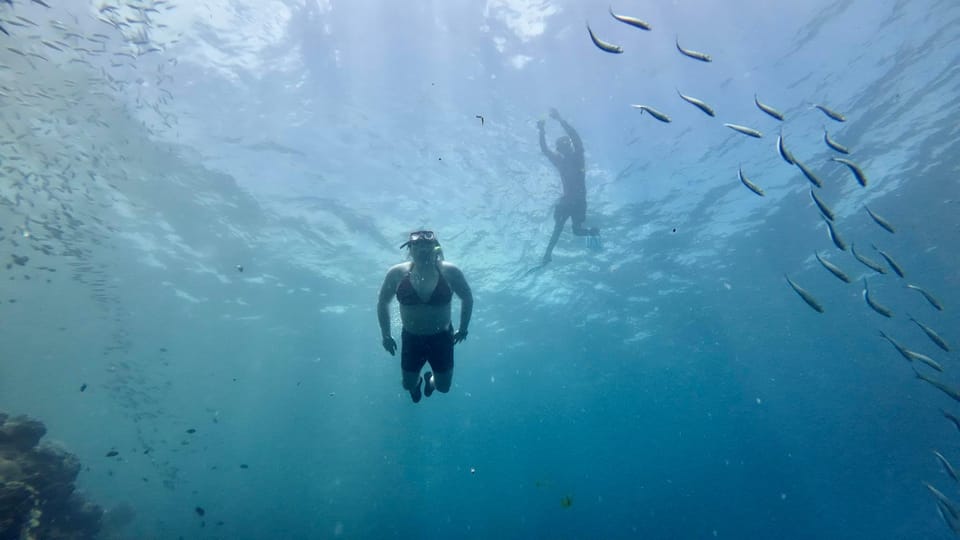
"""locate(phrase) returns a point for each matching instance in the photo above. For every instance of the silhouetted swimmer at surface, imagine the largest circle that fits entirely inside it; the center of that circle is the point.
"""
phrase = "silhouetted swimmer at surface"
(568, 159)
(424, 287)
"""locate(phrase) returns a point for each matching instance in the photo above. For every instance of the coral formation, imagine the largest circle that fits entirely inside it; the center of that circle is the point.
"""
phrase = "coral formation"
(37, 498)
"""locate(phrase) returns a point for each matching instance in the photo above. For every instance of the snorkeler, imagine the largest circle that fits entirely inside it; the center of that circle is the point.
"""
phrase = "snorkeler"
(568, 159)
(424, 288)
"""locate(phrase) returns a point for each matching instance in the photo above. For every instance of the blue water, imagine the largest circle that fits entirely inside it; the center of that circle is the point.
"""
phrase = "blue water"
(670, 386)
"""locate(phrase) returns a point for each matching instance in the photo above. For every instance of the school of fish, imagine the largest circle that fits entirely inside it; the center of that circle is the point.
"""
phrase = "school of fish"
(77, 93)
(948, 510)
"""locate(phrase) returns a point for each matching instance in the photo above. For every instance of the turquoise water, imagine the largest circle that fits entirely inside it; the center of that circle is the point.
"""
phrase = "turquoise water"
(670, 386)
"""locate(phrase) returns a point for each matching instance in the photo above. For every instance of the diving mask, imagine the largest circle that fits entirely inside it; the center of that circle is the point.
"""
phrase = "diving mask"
(420, 236)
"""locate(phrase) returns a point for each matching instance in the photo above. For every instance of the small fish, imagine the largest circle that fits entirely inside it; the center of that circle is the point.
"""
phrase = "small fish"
(768, 109)
(745, 130)
(920, 357)
(750, 185)
(869, 263)
(51, 45)
(952, 418)
(946, 389)
(480, 117)
(912, 356)
(41, 2)
(900, 348)
(879, 308)
(832, 114)
(108, 21)
(835, 236)
(4, 30)
(191, 430)
(937, 493)
(934, 337)
(200, 511)
(782, 150)
(112, 453)
(603, 45)
(83, 387)
(693, 54)
(834, 144)
(930, 298)
(857, 171)
(807, 297)
(700, 104)
(809, 174)
(653, 112)
(824, 209)
(948, 509)
(946, 465)
(244, 466)
(950, 515)
(893, 264)
(880, 221)
(834, 269)
(632, 21)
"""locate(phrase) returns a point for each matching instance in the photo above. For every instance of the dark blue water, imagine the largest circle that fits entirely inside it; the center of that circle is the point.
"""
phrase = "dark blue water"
(671, 385)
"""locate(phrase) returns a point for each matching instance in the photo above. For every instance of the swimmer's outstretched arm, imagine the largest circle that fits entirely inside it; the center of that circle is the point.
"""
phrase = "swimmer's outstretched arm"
(387, 292)
(553, 156)
(572, 133)
(459, 285)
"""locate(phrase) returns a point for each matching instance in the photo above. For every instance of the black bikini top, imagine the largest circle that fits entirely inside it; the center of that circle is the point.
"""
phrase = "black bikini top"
(407, 294)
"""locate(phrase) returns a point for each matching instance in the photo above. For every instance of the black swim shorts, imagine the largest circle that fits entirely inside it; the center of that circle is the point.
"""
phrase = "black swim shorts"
(575, 209)
(416, 350)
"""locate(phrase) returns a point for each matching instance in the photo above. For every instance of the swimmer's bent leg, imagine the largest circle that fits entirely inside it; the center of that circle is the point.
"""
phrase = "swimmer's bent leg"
(412, 359)
(441, 360)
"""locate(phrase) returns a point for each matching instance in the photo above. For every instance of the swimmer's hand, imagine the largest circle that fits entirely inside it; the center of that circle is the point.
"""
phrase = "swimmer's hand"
(554, 114)
(540, 124)
(390, 345)
(461, 335)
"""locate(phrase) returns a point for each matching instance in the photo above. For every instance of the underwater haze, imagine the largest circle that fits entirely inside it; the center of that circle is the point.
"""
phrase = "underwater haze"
(199, 202)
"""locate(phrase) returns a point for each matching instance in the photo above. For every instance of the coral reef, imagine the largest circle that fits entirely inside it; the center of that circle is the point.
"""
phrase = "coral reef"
(37, 498)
